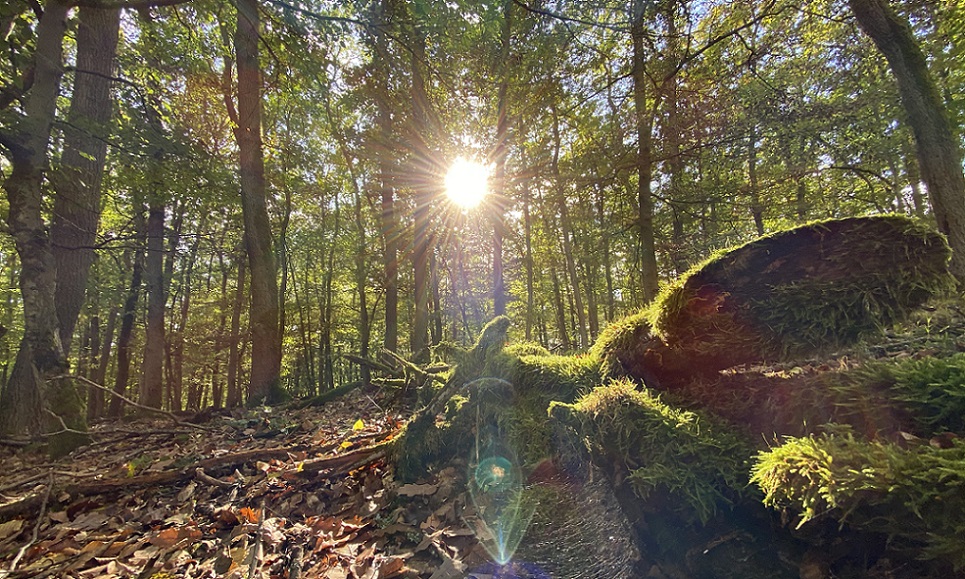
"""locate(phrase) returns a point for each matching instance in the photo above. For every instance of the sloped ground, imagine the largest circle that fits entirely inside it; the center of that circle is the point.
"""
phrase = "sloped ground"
(267, 493)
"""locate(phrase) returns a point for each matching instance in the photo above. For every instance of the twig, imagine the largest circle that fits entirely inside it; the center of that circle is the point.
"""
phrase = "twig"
(37, 477)
(205, 477)
(40, 518)
(92, 384)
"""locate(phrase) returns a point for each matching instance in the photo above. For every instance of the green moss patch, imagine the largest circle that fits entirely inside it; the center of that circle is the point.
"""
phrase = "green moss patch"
(692, 459)
(914, 495)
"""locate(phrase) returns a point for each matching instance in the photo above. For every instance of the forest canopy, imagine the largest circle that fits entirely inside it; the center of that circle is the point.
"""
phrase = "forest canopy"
(211, 203)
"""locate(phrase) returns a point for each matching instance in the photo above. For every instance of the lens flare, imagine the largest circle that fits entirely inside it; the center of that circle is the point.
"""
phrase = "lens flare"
(501, 502)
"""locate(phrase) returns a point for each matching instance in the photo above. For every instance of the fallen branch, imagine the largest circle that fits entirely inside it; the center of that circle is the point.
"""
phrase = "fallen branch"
(170, 415)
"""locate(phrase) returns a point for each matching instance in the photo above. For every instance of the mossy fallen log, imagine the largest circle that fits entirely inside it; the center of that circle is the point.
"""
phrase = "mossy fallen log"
(911, 495)
(797, 292)
(678, 463)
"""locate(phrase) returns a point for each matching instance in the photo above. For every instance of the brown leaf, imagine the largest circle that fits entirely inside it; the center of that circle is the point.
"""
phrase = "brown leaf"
(167, 538)
(249, 515)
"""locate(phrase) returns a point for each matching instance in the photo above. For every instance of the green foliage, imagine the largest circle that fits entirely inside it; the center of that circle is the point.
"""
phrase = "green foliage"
(913, 495)
(698, 462)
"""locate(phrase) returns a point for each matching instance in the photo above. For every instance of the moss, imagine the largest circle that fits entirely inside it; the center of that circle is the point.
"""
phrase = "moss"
(808, 289)
(693, 459)
(65, 402)
(927, 394)
(913, 495)
(526, 349)
(621, 343)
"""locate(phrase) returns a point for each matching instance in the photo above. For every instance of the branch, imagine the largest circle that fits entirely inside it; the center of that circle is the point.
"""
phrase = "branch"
(92, 384)
(118, 4)
(317, 16)
(562, 18)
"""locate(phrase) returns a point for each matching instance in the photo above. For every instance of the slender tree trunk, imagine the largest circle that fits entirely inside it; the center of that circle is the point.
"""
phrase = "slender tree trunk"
(96, 398)
(123, 373)
(263, 314)
(151, 391)
(528, 258)
(644, 158)
(939, 151)
(435, 329)
(234, 341)
(605, 246)
(176, 341)
(361, 278)
(910, 164)
(500, 194)
(757, 209)
(78, 183)
(673, 131)
(390, 225)
(422, 128)
(566, 231)
(560, 310)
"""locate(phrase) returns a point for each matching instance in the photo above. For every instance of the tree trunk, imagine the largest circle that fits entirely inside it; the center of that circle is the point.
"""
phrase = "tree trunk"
(151, 390)
(42, 355)
(757, 209)
(643, 118)
(263, 317)
(123, 373)
(939, 151)
(234, 341)
(499, 195)
(422, 128)
(96, 398)
(78, 183)
(566, 232)
(528, 258)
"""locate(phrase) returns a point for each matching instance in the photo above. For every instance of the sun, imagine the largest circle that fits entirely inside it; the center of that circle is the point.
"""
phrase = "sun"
(467, 183)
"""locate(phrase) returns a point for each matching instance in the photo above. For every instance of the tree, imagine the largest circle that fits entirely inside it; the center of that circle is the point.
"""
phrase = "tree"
(266, 336)
(41, 356)
(939, 151)
(78, 183)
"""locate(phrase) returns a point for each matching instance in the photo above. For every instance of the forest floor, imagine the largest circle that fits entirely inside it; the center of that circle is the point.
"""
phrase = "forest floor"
(282, 492)
(258, 493)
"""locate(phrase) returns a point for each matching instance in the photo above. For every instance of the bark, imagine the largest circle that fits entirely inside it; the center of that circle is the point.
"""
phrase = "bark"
(757, 209)
(123, 373)
(643, 118)
(390, 227)
(42, 354)
(566, 231)
(234, 341)
(528, 259)
(361, 278)
(151, 388)
(78, 183)
(939, 151)
(95, 403)
(423, 195)
(263, 318)
(499, 195)
(176, 341)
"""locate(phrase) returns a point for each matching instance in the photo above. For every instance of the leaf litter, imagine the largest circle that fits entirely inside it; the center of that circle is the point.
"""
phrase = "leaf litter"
(268, 493)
